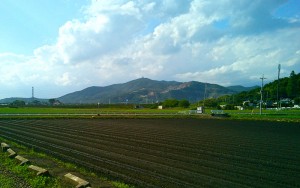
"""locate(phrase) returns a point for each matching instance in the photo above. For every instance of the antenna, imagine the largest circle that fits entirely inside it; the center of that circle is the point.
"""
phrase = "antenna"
(261, 93)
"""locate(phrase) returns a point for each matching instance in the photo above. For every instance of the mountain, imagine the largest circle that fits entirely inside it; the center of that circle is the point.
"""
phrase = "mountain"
(145, 90)
(239, 88)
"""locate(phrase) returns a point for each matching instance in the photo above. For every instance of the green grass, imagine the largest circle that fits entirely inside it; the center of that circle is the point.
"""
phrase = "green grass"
(53, 110)
(121, 185)
(28, 176)
(49, 112)
(269, 115)
(58, 112)
(41, 110)
(6, 182)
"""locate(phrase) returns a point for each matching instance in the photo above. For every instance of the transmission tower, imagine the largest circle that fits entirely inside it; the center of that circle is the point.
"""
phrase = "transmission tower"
(32, 93)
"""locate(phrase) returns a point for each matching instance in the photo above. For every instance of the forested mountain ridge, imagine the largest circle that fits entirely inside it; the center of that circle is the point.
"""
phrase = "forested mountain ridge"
(288, 91)
(145, 90)
(239, 88)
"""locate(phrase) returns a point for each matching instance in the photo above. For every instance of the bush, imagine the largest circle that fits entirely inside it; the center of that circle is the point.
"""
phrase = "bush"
(229, 107)
(17, 103)
(170, 103)
(297, 100)
(184, 103)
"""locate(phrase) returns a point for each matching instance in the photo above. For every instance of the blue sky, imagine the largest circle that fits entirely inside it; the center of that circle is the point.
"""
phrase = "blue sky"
(61, 46)
(27, 25)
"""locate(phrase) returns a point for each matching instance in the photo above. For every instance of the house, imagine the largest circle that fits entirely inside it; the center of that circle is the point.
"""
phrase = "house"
(200, 110)
(239, 107)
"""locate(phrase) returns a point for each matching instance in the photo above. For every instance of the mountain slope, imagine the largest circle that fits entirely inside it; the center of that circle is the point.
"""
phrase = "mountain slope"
(239, 88)
(144, 90)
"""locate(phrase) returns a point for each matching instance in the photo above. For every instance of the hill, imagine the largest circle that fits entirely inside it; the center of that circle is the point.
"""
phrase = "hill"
(239, 88)
(26, 100)
(288, 90)
(145, 90)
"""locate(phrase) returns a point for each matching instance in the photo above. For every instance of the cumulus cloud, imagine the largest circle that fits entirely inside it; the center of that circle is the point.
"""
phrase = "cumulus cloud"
(224, 42)
(248, 57)
(65, 79)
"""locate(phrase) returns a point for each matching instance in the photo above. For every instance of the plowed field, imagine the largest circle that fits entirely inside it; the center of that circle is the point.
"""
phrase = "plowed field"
(171, 152)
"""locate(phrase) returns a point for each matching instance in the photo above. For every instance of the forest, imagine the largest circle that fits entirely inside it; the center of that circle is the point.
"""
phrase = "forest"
(285, 90)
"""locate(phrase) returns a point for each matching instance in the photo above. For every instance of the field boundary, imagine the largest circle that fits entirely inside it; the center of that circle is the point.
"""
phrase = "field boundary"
(40, 171)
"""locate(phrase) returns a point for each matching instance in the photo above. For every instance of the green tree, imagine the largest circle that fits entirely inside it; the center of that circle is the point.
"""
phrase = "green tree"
(170, 103)
(51, 101)
(18, 103)
(298, 86)
(229, 107)
(184, 103)
(297, 100)
(291, 88)
(36, 102)
(210, 103)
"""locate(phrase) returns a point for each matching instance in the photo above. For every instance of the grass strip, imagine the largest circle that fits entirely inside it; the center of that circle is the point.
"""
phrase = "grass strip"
(23, 172)
(6, 182)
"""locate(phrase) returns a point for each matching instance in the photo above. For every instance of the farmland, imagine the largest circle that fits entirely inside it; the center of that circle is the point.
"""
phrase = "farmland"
(170, 152)
(286, 115)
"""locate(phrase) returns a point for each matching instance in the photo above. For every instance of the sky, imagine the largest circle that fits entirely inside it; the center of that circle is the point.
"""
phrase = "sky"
(62, 46)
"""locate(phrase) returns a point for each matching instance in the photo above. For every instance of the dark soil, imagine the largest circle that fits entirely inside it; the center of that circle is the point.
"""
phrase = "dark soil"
(168, 152)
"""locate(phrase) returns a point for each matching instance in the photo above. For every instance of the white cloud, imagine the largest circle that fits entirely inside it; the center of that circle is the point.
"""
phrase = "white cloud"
(64, 80)
(235, 60)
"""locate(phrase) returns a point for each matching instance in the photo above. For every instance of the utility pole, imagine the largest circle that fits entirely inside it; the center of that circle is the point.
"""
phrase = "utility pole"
(278, 105)
(204, 95)
(261, 94)
(267, 100)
